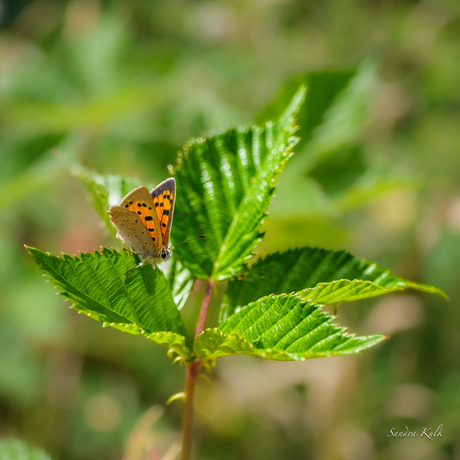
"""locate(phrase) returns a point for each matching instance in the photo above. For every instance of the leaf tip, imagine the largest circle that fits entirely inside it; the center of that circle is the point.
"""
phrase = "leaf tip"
(176, 397)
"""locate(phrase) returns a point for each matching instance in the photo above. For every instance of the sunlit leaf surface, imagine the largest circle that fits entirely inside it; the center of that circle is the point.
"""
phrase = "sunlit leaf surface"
(282, 327)
(318, 274)
(224, 187)
(98, 285)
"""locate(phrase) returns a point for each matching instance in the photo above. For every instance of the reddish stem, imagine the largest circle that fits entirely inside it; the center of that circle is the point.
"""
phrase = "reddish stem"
(193, 370)
(204, 309)
(192, 373)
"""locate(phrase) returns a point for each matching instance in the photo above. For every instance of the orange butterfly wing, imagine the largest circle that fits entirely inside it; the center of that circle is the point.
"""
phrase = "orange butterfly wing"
(140, 202)
(132, 231)
(164, 198)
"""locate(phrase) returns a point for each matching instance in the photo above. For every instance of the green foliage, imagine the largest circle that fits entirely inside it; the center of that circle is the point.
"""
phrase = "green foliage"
(332, 110)
(224, 184)
(180, 282)
(331, 171)
(100, 187)
(130, 82)
(282, 327)
(18, 450)
(100, 286)
(326, 277)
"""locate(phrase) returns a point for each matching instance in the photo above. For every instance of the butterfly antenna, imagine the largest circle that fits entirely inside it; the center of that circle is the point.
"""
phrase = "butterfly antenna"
(191, 239)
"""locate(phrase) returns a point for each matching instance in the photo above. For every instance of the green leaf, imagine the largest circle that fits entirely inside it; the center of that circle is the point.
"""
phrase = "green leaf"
(331, 124)
(98, 285)
(224, 186)
(322, 90)
(333, 112)
(282, 327)
(180, 281)
(343, 290)
(341, 171)
(13, 449)
(344, 113)
(309, 270)
(104, 190)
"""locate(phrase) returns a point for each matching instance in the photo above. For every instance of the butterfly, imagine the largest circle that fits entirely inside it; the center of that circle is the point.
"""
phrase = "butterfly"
(143, 221)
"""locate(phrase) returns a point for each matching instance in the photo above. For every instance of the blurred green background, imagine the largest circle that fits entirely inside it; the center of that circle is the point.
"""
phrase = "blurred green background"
(118, 87)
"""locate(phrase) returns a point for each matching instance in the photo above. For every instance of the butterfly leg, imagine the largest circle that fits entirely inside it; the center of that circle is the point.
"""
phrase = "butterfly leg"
(138, 266)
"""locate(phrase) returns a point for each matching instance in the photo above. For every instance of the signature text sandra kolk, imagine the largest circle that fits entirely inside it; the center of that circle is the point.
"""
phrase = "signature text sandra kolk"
(426, 432)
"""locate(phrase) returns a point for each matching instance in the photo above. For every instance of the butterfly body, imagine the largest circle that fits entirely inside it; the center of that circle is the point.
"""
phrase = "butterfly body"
(143, 221)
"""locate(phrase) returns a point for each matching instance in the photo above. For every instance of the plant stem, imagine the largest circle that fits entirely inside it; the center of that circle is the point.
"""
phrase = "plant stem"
(193, 370)
(204, 309)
